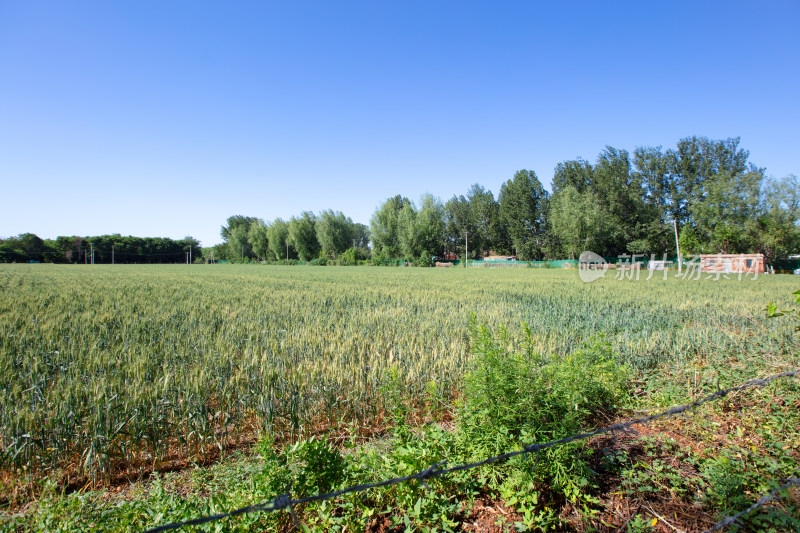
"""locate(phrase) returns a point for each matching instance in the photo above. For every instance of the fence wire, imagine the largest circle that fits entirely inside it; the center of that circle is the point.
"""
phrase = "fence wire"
(285, 500)
(765, 499)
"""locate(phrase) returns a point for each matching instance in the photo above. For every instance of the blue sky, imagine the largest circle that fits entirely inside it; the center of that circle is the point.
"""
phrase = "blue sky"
(156, 118)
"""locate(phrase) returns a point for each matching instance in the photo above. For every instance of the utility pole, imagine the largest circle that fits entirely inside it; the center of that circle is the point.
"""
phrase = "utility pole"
(92, 245)
(112, 254)
(190, 254)
(466, 248)
(677, 246)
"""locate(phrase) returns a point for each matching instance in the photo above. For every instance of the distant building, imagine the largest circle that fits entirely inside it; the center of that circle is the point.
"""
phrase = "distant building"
(732, 263)
(659, 265)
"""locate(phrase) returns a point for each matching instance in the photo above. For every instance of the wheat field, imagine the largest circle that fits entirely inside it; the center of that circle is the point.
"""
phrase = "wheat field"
(112, 368)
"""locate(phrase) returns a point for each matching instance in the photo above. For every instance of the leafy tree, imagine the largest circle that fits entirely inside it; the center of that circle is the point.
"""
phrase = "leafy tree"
(575, 173)
(706, 186)
(621, 195)
(695, 161)
(70, 247)
(429, 228)
(235, 236)
(577, 223)
(461, 230)
(385, 228)
(485, 213)
(523, 210)
(31, 244)
(219, 252)
(360, 236)
(407, 232)
(721, 215)
(22, 248)
(774, 234)
(353, 256)
(652, 172)
(191, 244)
(783, 195)
(128, 249)
(258, 238)
(277, 236)
(775, 231)
(303, 236)
(334, 232)
(238, 245)
(234, 222)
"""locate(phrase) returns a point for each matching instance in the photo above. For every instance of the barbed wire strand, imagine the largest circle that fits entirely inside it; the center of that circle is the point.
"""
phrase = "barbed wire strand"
(765, 499)
(285, 500)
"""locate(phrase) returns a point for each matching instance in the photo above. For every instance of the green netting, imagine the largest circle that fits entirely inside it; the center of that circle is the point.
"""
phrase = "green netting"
(563, 263)
(789, 265)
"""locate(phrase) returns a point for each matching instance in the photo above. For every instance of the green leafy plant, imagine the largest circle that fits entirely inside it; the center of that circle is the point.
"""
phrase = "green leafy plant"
(309, 466)
(515, 398)
(773, 311)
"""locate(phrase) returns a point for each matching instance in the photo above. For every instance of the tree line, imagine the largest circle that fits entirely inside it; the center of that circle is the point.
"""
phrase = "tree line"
(307, 237)
(106, 248)
(704, 189)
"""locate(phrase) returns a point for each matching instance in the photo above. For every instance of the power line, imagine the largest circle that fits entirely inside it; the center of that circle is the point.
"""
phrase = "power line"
(285, 500)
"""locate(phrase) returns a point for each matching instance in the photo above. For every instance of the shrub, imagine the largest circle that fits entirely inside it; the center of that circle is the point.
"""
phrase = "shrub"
(309, 466)
(518, 398)
(353, 256)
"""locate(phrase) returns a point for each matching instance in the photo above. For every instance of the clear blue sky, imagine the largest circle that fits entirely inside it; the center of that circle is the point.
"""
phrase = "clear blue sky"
(163, 118)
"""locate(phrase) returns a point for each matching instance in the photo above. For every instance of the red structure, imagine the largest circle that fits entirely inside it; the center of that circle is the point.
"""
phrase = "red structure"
(732, 263)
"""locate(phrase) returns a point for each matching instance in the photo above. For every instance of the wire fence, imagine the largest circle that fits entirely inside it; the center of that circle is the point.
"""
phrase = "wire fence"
(765, 499)
(438, 470)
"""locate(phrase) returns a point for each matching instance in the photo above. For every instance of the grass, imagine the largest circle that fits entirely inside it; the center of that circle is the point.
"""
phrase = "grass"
(115, 373)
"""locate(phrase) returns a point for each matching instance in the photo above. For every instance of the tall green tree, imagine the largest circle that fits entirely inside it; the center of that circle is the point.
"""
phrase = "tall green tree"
(523, 210)
(277, 236)
(361, 237)
(407, 232)
(774, 233)
(485, 214)
(239, 247)
(258, 238)
(783, 195)
(577, 223)
(385, 227)
(697, 160)
(334, 232)
(461, 231)
(430, 228)
(234, 222)
(621, 194)
(651, 170)
(70, 247)
(720, 216)
(23, 248)
(234, 233)
(303, 236)
(575, 173)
